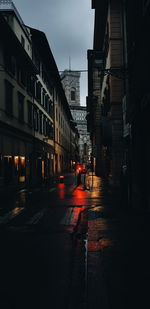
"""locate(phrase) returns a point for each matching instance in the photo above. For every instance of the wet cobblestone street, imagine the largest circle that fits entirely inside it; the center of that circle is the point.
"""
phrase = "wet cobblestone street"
(77, 247)
(118, 254)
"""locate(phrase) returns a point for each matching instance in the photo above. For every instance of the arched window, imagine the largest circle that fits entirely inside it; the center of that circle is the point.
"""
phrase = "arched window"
(73, 94)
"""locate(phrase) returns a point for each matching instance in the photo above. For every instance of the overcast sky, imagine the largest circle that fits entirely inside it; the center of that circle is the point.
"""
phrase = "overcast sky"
(68, 25)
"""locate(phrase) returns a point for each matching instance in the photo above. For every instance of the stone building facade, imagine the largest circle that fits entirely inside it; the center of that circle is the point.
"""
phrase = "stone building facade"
(37, 138)
(120, 56)
(94, 110)
(71, 84)
(79, 115)
(106, 88)
(136, 101)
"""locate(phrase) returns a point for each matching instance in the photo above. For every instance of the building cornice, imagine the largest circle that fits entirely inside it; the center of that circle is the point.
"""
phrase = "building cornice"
(8, 6)
(11, 39)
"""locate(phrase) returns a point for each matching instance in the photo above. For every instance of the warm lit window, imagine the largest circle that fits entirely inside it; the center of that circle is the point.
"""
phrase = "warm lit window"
(21, 169)
(16, 164)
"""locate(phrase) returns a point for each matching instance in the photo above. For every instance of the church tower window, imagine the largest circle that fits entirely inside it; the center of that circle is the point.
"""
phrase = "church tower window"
(73, 94)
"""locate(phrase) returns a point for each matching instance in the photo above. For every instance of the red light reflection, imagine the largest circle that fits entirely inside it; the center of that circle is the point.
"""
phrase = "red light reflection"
(79, 196)
(61, 192)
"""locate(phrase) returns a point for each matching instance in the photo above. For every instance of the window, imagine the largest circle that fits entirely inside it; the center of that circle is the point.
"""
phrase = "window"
(44, 126)
(85, 148)
(41, 122)
(38, 91)
(49, 107)
(30, 84)
(49, 130)
(36, 119)
(7, 17)
(23, 77)
(22, 169)
(13, 65)
(30, 114)
(50, 89)
(22, 41)
(10, 62)
(20, 107)
(43, 97)
(36, 60)
(8, 98)
(46, 103)
(73, 94)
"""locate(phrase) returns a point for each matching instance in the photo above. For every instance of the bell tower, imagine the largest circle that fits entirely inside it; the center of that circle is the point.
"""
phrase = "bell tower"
(71, 84)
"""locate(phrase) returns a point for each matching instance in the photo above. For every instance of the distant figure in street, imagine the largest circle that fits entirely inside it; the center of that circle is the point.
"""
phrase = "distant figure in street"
(79, 169)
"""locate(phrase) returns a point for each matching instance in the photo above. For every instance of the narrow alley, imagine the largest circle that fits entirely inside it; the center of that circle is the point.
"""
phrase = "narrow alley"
(74, 154)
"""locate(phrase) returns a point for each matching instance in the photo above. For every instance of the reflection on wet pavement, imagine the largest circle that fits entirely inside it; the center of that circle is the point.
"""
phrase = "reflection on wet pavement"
(72, 215)
(21, 199)
(61, 191)
(11, 215)
(99, 245)
(13, 201)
